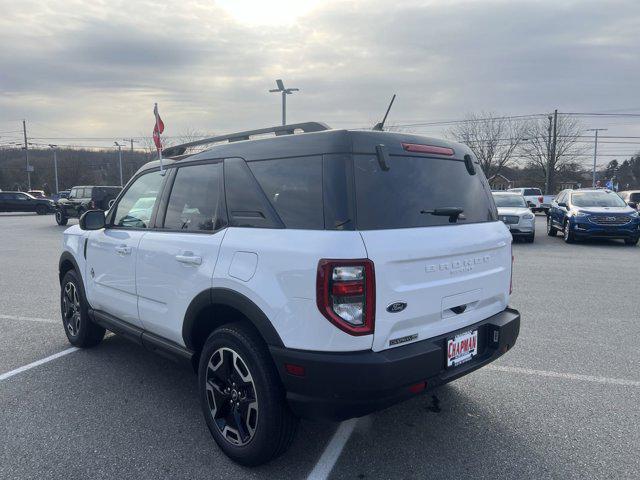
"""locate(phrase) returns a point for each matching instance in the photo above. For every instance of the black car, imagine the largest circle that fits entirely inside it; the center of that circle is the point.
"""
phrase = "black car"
(84, 198)
(593, 213)
(23, 202)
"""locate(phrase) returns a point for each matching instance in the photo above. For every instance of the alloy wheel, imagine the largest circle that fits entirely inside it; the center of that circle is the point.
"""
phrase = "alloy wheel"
(71, 309)
(231, 396)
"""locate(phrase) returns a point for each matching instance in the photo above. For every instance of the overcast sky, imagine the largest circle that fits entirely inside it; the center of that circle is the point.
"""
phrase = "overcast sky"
(94, 69)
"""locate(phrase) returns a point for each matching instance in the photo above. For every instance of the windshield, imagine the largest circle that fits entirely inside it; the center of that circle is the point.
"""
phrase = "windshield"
(509, 201)
(413, 189)
(532, 191)
(597, 199)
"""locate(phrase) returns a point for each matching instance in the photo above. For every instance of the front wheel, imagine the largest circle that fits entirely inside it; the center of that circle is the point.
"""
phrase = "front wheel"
(242, 398)
(80, 330)
(631, 241)
(568, 235)
(531, 238)
(61, 218)
(551, 230)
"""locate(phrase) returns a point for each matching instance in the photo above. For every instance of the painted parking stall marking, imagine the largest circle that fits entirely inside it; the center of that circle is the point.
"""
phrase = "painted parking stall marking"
(31, 365)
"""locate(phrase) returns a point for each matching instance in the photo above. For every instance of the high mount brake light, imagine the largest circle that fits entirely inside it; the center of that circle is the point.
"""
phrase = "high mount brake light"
(433, 149)
(345, 294)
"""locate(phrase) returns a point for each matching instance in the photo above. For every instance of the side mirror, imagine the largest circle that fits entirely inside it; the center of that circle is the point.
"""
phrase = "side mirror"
(92, 220)
(633, 205)
(562, 204)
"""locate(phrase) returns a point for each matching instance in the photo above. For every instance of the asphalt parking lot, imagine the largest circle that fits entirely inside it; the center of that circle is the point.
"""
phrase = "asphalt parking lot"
(563, 403)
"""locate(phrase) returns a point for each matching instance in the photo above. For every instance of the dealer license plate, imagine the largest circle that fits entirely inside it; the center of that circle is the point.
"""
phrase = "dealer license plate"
(462, 348)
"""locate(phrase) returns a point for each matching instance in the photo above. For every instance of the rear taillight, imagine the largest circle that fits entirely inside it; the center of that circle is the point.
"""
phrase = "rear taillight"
(540, 199)
(92, 204)
(434, 149)
(345, 294)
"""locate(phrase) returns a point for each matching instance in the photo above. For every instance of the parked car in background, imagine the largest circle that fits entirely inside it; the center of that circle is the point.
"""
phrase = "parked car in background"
(37, 193)
(534, 198)
(632, 197)
(593, 213)
(84, 198)
(23, 202)
(61, 194)
(516, 215)
(322, 275)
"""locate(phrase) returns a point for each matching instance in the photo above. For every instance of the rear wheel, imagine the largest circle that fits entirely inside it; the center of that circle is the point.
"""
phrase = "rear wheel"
(41, 210)
(551, 230)
(80, 330)
(241, 396)
(631, 241)
(61, 218)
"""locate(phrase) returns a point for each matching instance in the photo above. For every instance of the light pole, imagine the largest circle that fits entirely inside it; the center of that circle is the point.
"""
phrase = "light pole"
(55, 164)
(119, 159)
(595, 151)
(285, 92)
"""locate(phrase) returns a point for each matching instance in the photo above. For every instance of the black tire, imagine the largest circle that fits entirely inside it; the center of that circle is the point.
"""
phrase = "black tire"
(259, 426)
(551, 230)
(61, 218)
(531, 238)
(42, 210)
(567, 234)
(80, 330)
(631, 241)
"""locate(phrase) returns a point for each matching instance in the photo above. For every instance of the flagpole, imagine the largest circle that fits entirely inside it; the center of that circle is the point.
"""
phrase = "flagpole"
(155, 109)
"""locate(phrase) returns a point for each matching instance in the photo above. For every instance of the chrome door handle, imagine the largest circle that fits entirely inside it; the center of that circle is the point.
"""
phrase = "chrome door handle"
(123, 250)
(189, 259)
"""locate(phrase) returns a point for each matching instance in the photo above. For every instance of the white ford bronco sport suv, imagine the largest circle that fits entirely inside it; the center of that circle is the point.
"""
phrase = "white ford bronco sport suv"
(323, 274)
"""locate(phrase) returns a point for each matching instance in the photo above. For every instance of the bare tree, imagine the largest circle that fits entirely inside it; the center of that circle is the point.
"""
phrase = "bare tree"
(536, 150)
(493, 139)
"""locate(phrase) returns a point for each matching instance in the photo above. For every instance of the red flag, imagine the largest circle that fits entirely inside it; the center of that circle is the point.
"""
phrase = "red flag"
(158, 128)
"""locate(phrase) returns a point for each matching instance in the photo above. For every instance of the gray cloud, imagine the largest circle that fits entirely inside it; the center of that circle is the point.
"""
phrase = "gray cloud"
(96, 70)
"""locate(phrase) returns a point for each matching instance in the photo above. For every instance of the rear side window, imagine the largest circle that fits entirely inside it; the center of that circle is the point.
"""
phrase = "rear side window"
(194, 199)
(293, 186)
(402, 196)
(532, 191)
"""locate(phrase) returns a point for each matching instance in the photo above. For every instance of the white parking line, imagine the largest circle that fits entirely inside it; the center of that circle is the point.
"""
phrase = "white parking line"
(567, 376)
(29, 319)
(10, 374)
(333, 450)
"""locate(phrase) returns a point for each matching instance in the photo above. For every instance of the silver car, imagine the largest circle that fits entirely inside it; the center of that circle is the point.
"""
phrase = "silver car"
(517, 216)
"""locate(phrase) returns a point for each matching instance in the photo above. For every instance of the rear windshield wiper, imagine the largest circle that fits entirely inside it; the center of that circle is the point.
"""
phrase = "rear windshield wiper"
(452, 212)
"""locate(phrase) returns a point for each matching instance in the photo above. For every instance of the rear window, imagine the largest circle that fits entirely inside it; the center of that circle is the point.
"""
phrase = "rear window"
(294, 188)
(532, 191)
(395, 198)
(634, 197)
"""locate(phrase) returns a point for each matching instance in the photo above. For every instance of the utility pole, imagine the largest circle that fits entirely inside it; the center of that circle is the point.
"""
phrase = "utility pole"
(131, 141)
(120, 160)
(285, 92)
(546, 178)
(55, 164)
(26, 154)
(595, 151)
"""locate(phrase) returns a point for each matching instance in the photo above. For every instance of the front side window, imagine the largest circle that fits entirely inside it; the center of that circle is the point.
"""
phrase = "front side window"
(193, 203)
(73, 193)
(597, 199)
(136, 205)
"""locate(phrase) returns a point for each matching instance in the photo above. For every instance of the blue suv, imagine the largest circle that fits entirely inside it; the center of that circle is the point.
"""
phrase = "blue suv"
(592, 213)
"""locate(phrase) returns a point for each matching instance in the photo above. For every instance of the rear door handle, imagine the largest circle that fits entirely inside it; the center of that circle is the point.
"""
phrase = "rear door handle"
(123, 250)
(189, 258)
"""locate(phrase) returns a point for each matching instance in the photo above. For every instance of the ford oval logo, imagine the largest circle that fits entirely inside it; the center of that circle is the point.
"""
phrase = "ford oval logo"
(396, 307)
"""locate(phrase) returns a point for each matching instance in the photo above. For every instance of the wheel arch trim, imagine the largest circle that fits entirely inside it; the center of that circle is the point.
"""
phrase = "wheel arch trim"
(229, 298)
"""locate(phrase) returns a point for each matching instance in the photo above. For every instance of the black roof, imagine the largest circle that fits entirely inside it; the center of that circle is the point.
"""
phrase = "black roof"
(315, 143)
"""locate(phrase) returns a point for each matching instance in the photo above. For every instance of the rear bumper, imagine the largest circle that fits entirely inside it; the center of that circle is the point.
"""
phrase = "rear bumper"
(338, 386)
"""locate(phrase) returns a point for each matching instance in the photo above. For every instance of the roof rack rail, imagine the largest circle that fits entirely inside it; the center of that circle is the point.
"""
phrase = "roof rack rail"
(306, 127)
